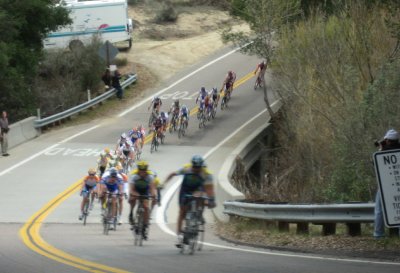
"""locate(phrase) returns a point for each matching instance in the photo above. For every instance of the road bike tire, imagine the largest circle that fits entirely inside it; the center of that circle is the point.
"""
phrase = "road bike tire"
(137, 231)
(86, 211)
(152, 146)
(200, 241)
(223, 103)
(162, 138)
(180, 131)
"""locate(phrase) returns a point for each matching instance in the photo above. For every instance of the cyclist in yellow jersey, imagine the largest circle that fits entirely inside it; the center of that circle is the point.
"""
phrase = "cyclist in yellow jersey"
(157, 183)
(197, 180)
(142, 183)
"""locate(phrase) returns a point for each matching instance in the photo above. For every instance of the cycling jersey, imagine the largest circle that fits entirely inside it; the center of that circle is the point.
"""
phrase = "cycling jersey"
(158, 123)
(112, 183)
(192, 181)
(134, 135)
(90, 182)
(142, 184)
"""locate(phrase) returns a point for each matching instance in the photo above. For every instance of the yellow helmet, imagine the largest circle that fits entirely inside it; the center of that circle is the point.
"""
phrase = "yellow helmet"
(118, 167)
(92, 171)
(107, 150)
(142, 165)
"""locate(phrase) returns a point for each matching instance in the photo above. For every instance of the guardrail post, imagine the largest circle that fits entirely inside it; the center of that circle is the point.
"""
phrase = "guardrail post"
(328, 229)
(353, 229)
(302, 228)
(89, 98)
(283, 226)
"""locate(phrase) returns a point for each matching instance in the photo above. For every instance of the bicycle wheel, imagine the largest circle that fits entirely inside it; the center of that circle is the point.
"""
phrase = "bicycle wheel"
(223, 101)
(180, 130)
(153, 145)
(137, 230)
(107, 218)
(85, 211)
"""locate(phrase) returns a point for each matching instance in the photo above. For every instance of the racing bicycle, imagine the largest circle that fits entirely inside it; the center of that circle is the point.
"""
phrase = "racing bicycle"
(193, 231)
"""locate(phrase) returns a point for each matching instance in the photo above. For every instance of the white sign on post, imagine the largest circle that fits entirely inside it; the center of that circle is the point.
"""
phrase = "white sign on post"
(387, 170)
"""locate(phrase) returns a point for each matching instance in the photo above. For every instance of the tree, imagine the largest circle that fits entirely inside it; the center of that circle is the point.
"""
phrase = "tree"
(266, 18)
(23, 25)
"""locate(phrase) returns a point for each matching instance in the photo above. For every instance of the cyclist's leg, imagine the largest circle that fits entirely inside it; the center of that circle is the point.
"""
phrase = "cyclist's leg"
(114, 205)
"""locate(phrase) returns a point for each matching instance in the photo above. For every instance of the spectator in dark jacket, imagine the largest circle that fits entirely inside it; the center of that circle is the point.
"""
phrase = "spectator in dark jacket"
(116, 84)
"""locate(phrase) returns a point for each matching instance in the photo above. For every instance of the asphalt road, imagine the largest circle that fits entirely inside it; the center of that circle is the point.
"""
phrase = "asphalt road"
(40, 205)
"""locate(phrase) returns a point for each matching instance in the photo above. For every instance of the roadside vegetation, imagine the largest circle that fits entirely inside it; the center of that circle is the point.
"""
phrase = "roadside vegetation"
(335, 66)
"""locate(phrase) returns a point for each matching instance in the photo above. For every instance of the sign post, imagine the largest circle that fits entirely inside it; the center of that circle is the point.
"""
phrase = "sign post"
(387, 170)
(108, 52)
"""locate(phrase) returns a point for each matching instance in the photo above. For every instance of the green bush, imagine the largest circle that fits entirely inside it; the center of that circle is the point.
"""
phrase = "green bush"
(166, 13)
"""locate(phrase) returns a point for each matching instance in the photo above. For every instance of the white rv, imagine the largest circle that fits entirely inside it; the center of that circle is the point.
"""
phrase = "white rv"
(106, 18)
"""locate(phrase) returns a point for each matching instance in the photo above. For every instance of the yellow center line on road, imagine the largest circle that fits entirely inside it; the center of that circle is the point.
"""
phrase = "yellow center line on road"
(30, 234)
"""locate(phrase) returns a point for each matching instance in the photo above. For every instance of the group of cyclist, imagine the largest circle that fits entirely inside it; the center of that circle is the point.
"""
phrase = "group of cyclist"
(112, 180)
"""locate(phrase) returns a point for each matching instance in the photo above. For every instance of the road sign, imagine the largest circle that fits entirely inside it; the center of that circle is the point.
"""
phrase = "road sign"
(108, 52)
(387, 170)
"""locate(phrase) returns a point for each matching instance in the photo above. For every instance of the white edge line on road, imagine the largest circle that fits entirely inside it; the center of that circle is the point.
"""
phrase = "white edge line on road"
(45, 150)
(162, 221)
(179, 81)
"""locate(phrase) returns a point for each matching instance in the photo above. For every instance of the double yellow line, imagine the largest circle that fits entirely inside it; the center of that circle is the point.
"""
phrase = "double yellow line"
(30, 232)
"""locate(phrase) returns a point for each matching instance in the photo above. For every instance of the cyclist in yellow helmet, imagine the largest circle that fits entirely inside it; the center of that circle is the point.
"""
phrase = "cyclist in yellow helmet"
(142, 183)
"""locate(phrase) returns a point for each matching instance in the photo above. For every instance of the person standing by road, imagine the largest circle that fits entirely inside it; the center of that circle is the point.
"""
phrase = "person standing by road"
(4, 133)
(389, 142)
(116, 76)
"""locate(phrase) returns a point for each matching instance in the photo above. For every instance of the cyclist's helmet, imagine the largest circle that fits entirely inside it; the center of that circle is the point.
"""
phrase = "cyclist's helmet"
(162, 114)
(215, 90)
(142, 165)
(123, 136)
(203, 89)
(107, 150)
(92, 171)
(176, 102)
(184, 107)
(197, 161)
(113, 172)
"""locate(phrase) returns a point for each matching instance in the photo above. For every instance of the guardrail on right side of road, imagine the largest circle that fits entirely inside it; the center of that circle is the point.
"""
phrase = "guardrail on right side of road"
(74, 110)
(327, 215)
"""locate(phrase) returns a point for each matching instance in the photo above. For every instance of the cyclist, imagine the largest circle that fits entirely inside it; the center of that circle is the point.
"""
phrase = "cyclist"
(174, 110)
(103, 161)
(184, 114)
(214, 96)
(127, 153)
(157, 126)
(201, 98)
(88, 189)
(227, 85)
(156, 103)
(142, 133)
(142, 183)
(261, 68)
(112, 183)
(135, 136)
(121, 141)
(157, 184)
(197, 180)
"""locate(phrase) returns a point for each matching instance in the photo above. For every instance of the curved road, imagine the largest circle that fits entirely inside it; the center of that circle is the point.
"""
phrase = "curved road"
(40, 204)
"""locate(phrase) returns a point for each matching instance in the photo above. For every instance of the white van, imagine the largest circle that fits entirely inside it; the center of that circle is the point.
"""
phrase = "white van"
(106, 18)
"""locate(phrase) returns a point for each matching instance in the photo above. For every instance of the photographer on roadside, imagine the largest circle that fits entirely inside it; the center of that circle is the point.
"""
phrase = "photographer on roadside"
(389, 142)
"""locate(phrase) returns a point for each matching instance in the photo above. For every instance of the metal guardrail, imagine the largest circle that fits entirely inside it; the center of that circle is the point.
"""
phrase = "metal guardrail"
(329, 213)
(353, 215)
(74, 110)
